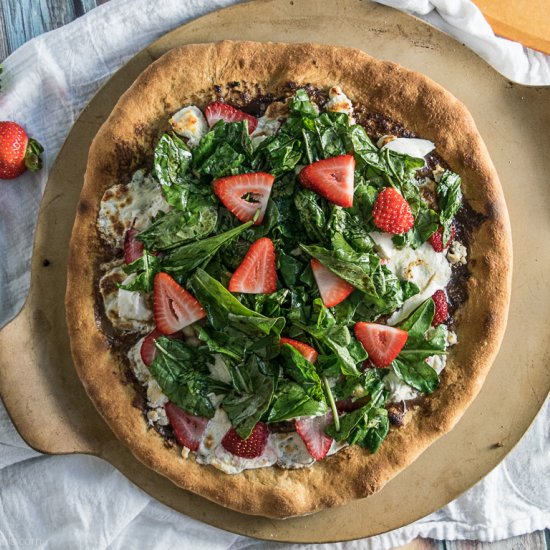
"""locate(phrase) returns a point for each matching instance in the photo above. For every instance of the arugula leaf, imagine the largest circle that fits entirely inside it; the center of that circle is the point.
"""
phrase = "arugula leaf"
(145, 269)
(182, 373)
(183, 260)
(449, 195)
(299, 369)
(245, 408)
(292, 400)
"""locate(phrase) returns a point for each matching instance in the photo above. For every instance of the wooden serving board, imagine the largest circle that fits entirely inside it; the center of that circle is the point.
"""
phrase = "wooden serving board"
(52, 412)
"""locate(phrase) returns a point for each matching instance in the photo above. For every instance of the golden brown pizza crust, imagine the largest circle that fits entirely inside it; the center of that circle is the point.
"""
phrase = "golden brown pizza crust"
(187, 75)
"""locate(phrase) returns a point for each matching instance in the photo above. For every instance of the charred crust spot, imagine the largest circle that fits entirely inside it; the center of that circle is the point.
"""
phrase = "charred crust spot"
(489, 322)
(241, 63)
(493, 211)
(46, 262)
(217, 89)
(84, 207)
(234, 84)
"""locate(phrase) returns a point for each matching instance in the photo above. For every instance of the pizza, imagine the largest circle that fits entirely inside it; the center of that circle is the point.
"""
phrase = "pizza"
(289, 271)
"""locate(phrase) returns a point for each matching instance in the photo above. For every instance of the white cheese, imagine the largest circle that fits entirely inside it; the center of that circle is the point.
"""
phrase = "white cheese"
(457, 253)
(452, 338)
(158, 416)
(425, 267)
(219, 370)
(437, 362)
(339, 102)
(266, 127)
(190, 123)
(212, 452)
(127, 311)
(155, 395)
(414, 147)
(398, 390)
(139, 368)
(132, 205)
(291, 450)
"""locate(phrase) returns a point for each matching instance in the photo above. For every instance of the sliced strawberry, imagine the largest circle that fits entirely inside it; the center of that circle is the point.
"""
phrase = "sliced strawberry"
(222, 111)
(436, 239)
(173, 307)
(133, 249)
(188, 429)
(245, 194)
(312, 431)
(252, 447)
(391, 212)
(382, 343)
(307, 351)
(441, 307)
(331, 178)
(257, 273)
(332, 288)
(148, 350)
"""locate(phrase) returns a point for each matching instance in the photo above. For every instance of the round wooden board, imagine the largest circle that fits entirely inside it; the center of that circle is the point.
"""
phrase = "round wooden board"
(49, 406)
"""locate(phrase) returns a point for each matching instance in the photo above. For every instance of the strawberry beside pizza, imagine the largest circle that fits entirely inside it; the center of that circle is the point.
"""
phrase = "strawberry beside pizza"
(288, 277)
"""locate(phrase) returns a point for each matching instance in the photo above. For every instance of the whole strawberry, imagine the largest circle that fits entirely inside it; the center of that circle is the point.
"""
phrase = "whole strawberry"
(391, 212)
(17, 152)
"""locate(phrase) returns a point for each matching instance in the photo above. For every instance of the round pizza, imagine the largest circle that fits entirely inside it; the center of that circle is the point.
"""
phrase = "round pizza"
(289, 271)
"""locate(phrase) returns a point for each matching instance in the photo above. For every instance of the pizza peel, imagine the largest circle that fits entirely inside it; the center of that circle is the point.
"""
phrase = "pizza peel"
(47, 402)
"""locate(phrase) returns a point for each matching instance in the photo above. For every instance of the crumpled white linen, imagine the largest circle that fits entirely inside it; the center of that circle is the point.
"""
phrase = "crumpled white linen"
(83, 502)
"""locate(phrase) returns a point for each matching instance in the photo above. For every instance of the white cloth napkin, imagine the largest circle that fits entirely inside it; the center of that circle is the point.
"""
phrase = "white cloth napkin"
(83, 502)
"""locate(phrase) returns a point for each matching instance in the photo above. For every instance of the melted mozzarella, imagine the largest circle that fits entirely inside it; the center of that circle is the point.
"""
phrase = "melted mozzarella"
(425, 267)
(339, 102)
(266, 127)
(127, 311)
(190, 123)
(132, 205)
(414, 147)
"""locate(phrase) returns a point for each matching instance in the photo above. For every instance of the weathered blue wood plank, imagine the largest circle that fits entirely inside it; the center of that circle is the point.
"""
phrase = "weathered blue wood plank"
(25, 19)
(4, 50)
(83, 6)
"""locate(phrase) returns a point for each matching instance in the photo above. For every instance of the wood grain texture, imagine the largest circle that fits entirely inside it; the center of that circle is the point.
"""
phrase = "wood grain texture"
(25, 19)
(21, 20)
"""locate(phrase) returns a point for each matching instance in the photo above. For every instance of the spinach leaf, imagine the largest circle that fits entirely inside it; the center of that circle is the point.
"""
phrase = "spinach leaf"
(291, 400)
(313, 214)
(449, 195)
(279, 154)
(245, 408)
(225, 150)
(367, 426)
(300, 104)
(145, 269)
(418, 374)
(299, 369)
(225, 311)
(359, 386)
(423, 341)
(338, 349)
(178, 227)
(182, 373)
(425, 224)
(172, 160)
(183, 260)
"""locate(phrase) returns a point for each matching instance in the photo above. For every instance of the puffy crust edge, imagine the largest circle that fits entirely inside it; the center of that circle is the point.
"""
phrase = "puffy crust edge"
(122, 145)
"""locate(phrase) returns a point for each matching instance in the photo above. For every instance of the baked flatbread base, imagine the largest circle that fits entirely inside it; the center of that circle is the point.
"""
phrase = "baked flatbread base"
(187, 75)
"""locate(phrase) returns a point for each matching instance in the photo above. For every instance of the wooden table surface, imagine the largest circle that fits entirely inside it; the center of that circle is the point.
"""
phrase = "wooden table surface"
(21, 20)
